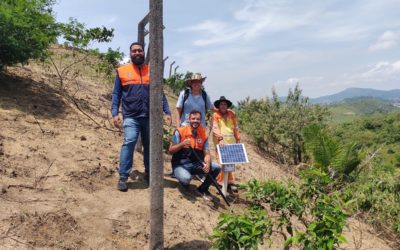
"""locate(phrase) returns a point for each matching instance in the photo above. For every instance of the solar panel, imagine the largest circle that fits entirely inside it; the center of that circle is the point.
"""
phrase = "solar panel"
(232, 153)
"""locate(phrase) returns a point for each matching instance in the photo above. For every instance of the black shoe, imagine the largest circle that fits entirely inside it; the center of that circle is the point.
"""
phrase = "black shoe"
(122, 186)
(185, 187)
(205, 194)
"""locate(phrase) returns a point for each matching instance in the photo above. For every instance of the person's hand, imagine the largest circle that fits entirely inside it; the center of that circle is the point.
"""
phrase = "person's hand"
(168, 120)
(206, 168)
(186, 142)
(221, 143)
(117, 122)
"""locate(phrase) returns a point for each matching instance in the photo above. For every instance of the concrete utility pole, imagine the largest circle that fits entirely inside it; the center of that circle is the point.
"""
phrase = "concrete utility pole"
(170, 68)
(142, 33)
(176, 69)
(156, 127)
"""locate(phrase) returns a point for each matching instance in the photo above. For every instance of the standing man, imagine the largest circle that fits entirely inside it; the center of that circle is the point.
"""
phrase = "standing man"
(225, 131)
(193, 98)
(189, 146)
(132, 88)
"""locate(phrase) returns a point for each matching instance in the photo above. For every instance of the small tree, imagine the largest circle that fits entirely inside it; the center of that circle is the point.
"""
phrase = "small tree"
(276, 125)
(27, 28)
(78, 38)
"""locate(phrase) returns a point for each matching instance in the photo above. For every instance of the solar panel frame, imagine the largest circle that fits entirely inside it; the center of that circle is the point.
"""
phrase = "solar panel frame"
(232, 154)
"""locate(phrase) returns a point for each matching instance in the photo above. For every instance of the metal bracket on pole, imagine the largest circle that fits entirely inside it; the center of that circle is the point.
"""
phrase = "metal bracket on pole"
(170, 68)
(176, 69)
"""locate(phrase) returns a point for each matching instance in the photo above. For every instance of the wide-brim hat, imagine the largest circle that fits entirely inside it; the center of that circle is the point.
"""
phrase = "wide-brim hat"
(194, 77)
(222, 99)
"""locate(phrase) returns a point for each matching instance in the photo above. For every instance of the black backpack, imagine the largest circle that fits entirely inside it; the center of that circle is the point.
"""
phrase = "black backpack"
(186, 96)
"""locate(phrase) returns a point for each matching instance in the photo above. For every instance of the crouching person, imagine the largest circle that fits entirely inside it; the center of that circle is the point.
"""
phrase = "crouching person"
(191, 155)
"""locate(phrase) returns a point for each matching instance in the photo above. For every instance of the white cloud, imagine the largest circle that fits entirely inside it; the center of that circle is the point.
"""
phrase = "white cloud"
(211, 26)
(343, 33)
(273, 16)
(380, 72)
(308, 84)
(387, 40)
(252, 20)
(382, 75)
(213, 32)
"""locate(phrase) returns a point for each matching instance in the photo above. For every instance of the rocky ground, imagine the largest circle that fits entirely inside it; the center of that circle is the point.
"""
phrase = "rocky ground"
(58, 175)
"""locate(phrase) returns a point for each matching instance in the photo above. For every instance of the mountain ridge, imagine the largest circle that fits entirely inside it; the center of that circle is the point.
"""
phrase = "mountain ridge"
(388, 95)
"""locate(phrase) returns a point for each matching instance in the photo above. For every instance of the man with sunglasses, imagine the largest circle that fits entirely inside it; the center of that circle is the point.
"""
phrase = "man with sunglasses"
(132, 89)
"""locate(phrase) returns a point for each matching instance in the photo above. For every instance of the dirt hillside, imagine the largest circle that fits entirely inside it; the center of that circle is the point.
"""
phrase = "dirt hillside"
(58, 175)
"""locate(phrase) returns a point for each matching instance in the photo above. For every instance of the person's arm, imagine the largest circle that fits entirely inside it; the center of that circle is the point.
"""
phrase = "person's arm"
(167, 111)
(176, 144)
(210, 105)
(178, 117)
(116, 101)
(207, 158)
(215, 127)
(178, 111)
(236, 132)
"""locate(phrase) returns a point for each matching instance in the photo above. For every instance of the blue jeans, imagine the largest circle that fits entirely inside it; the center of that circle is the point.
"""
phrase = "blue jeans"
(132, 128)
(184, 172)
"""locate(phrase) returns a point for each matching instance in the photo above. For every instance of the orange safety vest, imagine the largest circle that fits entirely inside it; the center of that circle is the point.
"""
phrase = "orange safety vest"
(130, 74)
(227, 128)
(197, 143)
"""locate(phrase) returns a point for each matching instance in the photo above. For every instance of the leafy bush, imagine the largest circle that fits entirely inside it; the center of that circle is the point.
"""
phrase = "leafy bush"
(167, 135)
(247, 231)
(377, 192)
(177, 82)
(27, 28)
(325, 231)
(109, 61)
(76, 40)
(319, 208)
(328, 154)
(276, 125)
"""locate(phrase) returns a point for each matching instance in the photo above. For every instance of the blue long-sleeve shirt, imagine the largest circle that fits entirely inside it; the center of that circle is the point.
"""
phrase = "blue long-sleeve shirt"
(124, 93)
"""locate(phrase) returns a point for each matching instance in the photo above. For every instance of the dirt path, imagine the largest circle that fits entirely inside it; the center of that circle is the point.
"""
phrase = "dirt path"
(58, 173)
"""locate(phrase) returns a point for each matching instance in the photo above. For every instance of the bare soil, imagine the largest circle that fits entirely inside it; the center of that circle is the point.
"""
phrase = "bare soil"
(58, 176)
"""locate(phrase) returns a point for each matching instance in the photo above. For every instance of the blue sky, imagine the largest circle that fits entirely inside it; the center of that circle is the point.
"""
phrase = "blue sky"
(247, 47)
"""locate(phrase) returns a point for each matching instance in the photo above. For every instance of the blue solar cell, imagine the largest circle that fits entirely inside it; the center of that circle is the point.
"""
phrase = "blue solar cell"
(232, 153)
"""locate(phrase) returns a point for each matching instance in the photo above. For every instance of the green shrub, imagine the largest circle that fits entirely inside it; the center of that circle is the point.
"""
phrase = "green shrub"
(320, 209)
(282, 122)
(236, 231)
(27, 28)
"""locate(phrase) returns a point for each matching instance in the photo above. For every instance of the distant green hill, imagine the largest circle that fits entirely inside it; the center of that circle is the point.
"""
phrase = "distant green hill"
(352, 108)
(390, 95)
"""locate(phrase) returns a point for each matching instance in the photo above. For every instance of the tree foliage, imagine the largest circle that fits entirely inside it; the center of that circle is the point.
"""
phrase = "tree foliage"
(320, 209)
(76, 35)
(177, 82)
(328, 154)
(241, 231)
(276, 126)
(27, 28)
(78, 38)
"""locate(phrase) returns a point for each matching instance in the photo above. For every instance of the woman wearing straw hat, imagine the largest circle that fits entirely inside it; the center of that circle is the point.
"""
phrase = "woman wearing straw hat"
(225, 131)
